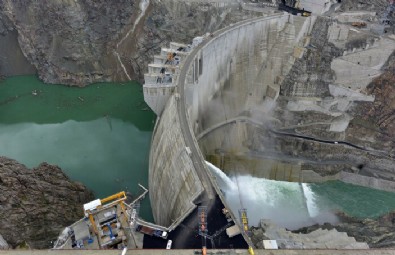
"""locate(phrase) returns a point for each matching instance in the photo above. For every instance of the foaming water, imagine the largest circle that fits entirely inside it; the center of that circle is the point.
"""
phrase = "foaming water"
(287, 204)
(222, 179)
(310, 200)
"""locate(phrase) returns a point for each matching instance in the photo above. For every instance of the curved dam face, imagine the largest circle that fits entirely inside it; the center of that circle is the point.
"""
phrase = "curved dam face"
(272, 97)
(231, 75)
(233, 84)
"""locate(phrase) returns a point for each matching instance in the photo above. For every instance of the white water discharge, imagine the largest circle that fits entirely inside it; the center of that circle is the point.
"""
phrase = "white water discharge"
(309, 196)
(285, 203)
(143, 7)
(222, 179)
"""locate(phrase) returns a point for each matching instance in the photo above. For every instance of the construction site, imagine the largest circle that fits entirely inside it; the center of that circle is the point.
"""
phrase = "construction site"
(223, 101)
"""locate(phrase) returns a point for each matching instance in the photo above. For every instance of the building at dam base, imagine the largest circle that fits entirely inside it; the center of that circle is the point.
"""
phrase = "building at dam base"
(219, 107)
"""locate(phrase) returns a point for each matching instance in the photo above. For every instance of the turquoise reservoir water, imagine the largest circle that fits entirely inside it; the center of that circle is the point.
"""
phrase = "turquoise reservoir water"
(99, 135)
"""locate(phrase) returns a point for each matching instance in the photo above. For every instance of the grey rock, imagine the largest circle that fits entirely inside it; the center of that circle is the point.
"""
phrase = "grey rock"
(3, 244)
(35, 205)
(377, 233)
(75, 42)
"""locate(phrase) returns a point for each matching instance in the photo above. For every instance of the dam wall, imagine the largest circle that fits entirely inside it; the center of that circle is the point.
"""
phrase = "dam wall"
(224, 76)
(225, 106)
(251, 60)
(241, 68)
(173, 181)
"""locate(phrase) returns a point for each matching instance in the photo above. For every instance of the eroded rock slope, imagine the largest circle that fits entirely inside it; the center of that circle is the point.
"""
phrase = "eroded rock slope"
(36, 204)
(85, 41)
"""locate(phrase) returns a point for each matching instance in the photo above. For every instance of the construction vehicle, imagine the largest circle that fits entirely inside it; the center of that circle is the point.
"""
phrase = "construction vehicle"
(168, 245)
(151, 232)
(292, 9)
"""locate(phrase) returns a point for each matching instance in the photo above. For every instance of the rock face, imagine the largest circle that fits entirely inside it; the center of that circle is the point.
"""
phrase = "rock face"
(332, 111)
(35, 205)
(3, 244)
(312, 239)
(84, 41)
(381, 113)
(310, 75)
(71, 42)
(377, 233)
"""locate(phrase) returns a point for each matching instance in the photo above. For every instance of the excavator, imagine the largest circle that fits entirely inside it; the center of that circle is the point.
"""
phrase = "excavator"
(292, 8)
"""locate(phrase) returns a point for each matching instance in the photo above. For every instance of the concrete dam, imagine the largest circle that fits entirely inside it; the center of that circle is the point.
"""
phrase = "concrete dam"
(226, 77)
(225, 63)
(214, 101)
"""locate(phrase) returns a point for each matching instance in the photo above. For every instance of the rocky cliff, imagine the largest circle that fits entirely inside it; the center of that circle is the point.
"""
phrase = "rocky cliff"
(85, 41)
(3, 244)
(71, 42)
(377, 233)
(36, 204)
(335, 105)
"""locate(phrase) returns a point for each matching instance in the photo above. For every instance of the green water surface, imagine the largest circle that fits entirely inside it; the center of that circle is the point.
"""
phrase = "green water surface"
(355, 200)
(99, 135)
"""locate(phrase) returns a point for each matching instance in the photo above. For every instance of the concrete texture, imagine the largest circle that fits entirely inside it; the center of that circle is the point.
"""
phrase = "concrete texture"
(173, 182)
(238, 51)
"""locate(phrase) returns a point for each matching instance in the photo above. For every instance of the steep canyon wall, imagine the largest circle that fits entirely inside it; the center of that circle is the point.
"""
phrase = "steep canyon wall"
(81, 42)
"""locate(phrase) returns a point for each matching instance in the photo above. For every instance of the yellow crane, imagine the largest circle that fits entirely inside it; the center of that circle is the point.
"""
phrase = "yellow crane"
(120, 195)
(99, 204)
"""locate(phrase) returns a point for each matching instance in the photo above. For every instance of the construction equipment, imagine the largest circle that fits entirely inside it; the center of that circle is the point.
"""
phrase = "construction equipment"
(202, 214)
(244, 220)
(151, 232)
(98, 204)
(251, 251)
(292, 9)
(121, 195)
